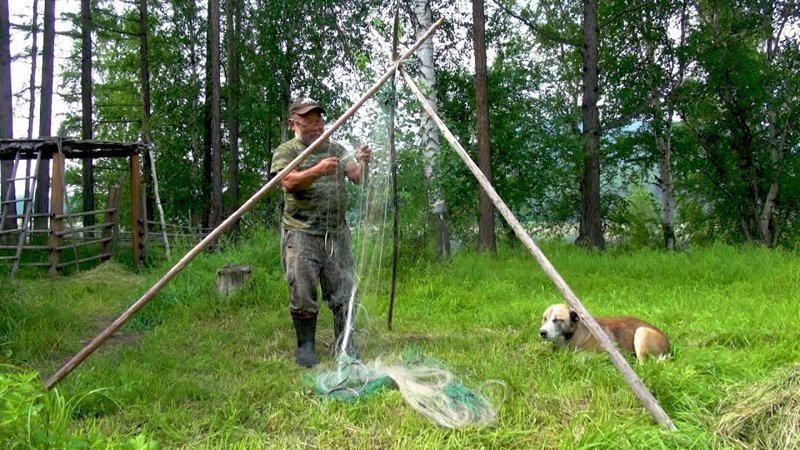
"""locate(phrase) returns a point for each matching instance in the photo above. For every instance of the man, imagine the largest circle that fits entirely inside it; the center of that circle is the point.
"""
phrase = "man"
(315, 239)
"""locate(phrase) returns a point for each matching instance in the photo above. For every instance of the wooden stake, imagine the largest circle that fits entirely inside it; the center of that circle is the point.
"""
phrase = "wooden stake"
(216, 232)
(158, 202)
(393, 163)
(641, 391)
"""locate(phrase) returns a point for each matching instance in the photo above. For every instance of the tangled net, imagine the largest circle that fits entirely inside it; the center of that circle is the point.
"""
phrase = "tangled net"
(425, 384)
(427, 387)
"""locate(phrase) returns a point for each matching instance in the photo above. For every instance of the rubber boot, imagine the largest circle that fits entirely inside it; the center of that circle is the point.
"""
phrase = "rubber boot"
(306, 329)
(339, 323)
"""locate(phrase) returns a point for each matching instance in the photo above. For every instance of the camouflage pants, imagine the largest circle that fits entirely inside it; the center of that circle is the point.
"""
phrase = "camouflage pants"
(311, 260)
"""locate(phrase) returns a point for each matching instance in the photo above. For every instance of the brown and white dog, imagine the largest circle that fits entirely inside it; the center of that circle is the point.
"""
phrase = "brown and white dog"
(563, 326)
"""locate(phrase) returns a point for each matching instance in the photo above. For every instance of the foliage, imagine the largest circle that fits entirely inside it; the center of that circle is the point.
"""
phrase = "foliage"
(31, 417)
(206, 371)
(730, 76)
(639, 224)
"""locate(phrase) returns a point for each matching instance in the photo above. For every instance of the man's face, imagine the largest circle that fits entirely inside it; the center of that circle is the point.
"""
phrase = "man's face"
(308, 127)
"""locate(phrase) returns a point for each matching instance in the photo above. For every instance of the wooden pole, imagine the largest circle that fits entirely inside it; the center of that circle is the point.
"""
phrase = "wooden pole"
(216, 232)
(56, 209)
(137, 224)
(111, 216)
(393, 164)
(641, 391)
(158, 202)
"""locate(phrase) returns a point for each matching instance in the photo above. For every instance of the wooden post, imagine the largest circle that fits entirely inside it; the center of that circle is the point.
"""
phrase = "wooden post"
(158, 202)
(136, 210)
(112, 216)
(56, 210)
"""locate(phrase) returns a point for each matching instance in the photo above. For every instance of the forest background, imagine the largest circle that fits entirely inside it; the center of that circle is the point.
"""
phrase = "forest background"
(689, 136)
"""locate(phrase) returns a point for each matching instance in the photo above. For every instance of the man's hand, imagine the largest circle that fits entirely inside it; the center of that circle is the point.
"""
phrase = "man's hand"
(328, 166)
(364, 153)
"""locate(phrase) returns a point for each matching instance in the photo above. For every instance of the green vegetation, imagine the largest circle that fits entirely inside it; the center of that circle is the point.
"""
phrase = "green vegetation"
(194, 370)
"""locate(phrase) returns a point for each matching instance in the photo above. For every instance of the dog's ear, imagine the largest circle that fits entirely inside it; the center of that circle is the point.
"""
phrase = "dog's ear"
(573, 316)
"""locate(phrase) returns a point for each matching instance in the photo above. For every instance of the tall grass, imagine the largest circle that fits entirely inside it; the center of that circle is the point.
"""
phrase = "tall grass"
(194, 370)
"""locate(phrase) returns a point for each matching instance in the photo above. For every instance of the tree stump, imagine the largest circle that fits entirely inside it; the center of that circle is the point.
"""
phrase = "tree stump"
(232, 277)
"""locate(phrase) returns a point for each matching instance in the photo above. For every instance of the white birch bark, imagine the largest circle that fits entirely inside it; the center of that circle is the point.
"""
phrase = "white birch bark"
(430, 132)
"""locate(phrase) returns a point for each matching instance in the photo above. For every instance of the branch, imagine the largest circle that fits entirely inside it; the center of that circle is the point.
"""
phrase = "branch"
(114, 30)
(542, 33)
(622, 13)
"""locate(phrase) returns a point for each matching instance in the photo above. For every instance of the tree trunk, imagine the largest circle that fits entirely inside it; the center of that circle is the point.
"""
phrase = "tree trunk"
(590, 233)
(207, 107)
(486, 241)
(42, 196)
(666, 185)
(7, 191)
(215, 210)
(233, 20)
(144, 79)
(87, 180)
(777, 142)
(430, 132)
(34, 56)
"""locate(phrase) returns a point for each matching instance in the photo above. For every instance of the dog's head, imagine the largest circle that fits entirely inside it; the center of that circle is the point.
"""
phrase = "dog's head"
(558, 323)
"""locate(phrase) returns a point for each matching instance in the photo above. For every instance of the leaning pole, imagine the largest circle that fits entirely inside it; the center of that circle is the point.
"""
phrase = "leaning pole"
(227, 223)
(641, 391)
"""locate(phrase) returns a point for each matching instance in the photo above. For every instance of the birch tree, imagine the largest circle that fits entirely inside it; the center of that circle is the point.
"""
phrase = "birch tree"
(430, 132)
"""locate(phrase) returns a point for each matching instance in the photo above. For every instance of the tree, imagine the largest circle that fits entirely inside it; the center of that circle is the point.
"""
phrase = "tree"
(740, 108)
(144, 80)
(86, 110)
(215, 209)
(430, 132)
(486, 241)
(42, 196)
(6, 114)
(233, 17)
(34, 58)
(590, 233)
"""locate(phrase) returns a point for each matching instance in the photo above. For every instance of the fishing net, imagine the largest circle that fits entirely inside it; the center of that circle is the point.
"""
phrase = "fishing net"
(425, 383)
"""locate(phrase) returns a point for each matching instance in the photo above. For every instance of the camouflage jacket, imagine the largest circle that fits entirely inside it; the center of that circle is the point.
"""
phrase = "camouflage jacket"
(321, 208)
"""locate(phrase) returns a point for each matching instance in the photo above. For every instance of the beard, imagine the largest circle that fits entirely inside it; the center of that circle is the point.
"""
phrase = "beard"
(308, 138)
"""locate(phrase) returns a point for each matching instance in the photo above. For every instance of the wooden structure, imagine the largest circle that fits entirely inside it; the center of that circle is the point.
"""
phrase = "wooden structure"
(58, 150)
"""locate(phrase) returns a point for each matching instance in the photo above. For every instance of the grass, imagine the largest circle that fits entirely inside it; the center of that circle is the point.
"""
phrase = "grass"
(193, 370)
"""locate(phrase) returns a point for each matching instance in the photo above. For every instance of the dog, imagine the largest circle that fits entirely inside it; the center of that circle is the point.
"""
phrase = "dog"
(563, 326)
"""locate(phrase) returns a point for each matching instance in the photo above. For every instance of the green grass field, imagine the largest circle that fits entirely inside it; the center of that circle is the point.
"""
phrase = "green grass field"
(194, 370)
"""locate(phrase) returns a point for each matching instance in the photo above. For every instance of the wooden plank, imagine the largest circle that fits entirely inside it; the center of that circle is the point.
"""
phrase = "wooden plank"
(89, 228)
(88, 258)
(81, 214)
(86, 243)
(111, 215)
